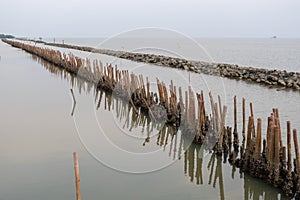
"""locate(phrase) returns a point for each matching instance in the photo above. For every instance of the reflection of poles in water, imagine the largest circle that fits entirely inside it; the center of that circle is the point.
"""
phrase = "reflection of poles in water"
(132, 120)
(218, 173)
(199, 165)
(211, 165)
(167, 137)
(189, 163)
(171, 145)
(175, 145)
(180, 148)
(191, 160)
(74, 102)
(253, 190)
(147, 139)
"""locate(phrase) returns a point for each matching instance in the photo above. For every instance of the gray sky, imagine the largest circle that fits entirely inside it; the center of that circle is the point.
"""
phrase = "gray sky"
(196, 18)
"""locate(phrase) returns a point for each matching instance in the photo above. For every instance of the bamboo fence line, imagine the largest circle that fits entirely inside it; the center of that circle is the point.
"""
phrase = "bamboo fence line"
(264, 158)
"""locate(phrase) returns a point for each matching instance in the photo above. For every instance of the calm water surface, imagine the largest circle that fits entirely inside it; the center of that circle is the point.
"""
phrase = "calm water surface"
(38, 136)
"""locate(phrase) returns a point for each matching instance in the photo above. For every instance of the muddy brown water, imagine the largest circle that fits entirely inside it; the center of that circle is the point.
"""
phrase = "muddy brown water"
(38, 136)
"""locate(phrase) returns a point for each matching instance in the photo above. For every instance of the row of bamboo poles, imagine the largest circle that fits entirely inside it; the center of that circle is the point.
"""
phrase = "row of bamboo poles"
(164, 105)
(266, 158)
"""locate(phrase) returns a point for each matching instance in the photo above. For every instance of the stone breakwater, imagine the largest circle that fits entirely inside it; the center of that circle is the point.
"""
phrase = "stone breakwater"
(274, 78)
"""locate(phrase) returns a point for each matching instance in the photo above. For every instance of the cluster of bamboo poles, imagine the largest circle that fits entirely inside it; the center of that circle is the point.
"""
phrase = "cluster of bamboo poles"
(266, 160)
(269, 159)
(121, 83)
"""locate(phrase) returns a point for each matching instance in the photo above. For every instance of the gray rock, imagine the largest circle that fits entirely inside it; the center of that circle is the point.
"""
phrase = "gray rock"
(282, 82)
(289, 82)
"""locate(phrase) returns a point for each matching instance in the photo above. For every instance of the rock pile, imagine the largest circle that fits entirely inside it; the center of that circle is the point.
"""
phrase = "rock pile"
(274, 78)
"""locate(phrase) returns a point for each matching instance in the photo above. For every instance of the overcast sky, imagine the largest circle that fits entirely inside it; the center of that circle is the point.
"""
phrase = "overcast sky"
(196, 18)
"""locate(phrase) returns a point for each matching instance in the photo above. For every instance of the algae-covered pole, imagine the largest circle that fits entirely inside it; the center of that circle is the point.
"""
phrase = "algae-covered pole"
(244, 119)
(276, 152)
(297, 165)
(289, 162)
(288, 184)
(269, 144)
(235, 117)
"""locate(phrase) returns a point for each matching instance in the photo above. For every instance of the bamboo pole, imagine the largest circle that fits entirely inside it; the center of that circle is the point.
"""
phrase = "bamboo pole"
(213, 117)
(277, 116)
(220, 105)
(296, 150)
(272, 143)
(289, 162)
(244, 118)
(217, 118)
(258, 140)
(252, 115)
(276, 150)
(283, 158)
(77, 177)
(222, 129)
(268, 146)
(235, 116)
(249, 139)
(203, 105)
(199, 123)
(181, 100)
(186, 107)
(251, 110)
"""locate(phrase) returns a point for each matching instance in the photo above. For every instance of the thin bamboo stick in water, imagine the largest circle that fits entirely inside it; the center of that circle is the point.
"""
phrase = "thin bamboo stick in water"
(77, 177)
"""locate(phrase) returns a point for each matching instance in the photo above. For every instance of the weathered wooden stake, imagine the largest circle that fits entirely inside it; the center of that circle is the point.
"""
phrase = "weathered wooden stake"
(252, 115)
(77, 177)
(258, 139)
(244, 118)
(235, 116)
(296, 149)
(276, 152)
(249, 139)
(278, 124)
(289, 162)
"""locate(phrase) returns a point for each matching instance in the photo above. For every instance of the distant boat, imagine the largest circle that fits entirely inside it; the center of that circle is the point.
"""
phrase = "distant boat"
(274, 37)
